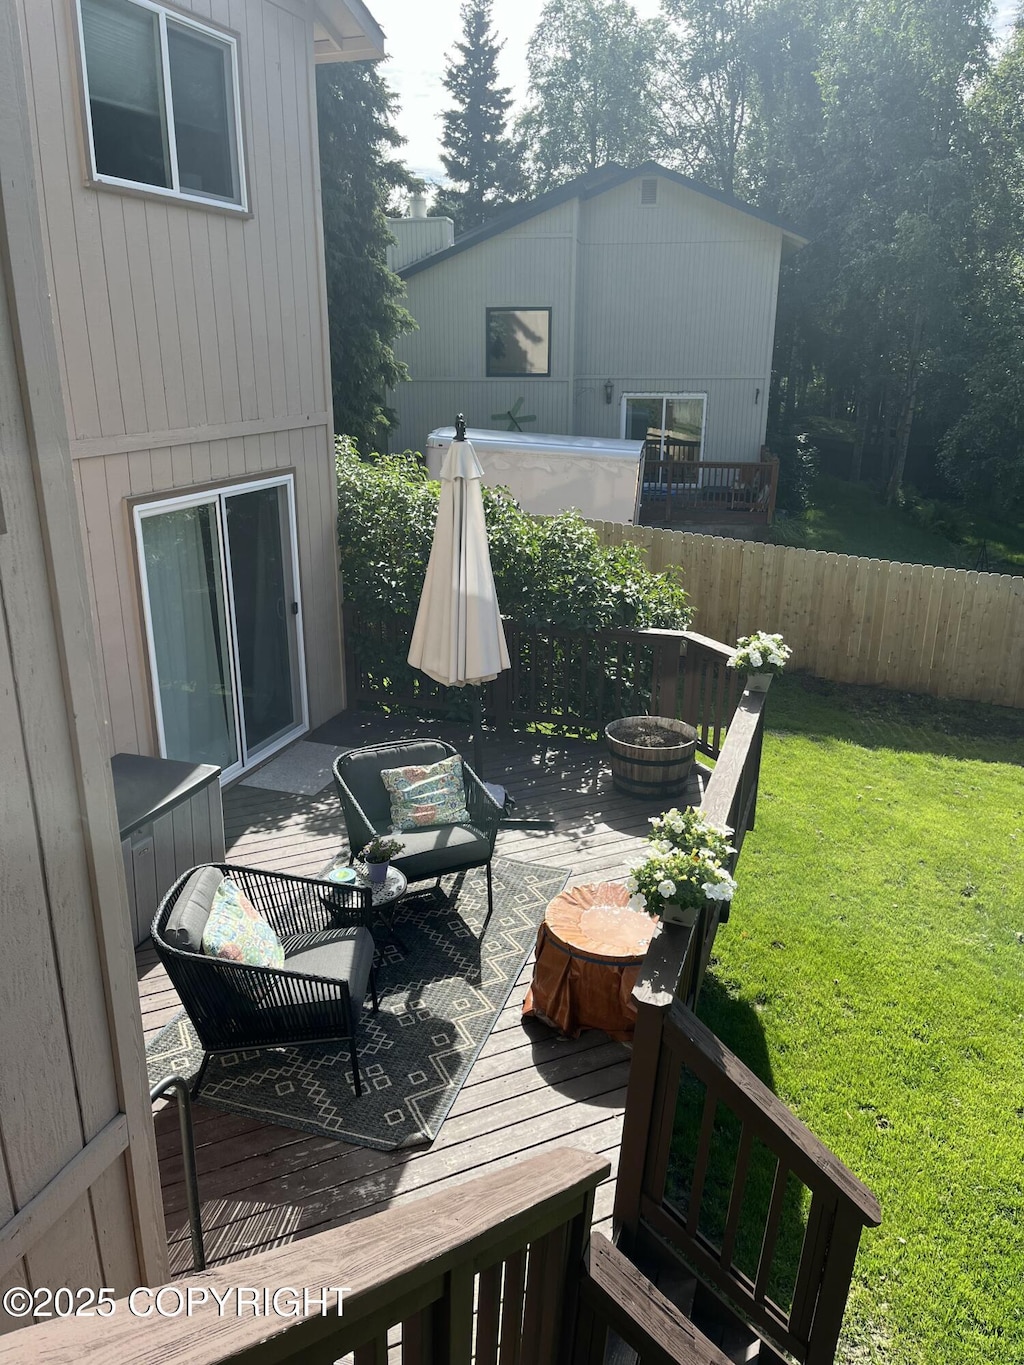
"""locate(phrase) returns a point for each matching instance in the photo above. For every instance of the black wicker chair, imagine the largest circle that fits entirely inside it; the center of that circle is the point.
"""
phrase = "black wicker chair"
(432, 852)
(315, 998)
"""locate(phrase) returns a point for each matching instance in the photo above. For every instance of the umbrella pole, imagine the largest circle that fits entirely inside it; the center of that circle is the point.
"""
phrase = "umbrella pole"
(478, 762)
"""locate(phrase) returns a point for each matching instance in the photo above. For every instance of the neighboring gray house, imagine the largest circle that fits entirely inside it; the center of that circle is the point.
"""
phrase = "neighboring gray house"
(625, 303)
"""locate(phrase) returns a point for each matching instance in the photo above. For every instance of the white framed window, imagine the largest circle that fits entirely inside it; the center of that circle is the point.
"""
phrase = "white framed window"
(163, 107)
(675, 420)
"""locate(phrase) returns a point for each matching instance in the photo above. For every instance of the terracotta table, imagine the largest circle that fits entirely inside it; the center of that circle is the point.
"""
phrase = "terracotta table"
(589, 950)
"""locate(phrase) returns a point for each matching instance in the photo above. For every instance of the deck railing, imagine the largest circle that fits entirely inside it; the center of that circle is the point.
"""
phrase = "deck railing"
(717, 1183)
(503, 1268)
(678, 487)
(754, 1204)
(572, 681)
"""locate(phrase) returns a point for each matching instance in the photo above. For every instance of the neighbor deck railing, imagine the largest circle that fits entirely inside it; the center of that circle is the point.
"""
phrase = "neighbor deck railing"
(679, 487)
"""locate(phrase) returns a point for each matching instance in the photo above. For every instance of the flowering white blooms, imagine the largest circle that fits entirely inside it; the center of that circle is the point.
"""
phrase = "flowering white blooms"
(687, 864)
(722, 889)
(759, 652)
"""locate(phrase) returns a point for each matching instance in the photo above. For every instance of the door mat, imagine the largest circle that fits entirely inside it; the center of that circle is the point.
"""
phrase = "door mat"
(303, 770)
(440, 993)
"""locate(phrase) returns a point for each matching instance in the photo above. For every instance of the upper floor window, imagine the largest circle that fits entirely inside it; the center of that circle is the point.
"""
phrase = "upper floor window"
(518, 341)
(162, 94)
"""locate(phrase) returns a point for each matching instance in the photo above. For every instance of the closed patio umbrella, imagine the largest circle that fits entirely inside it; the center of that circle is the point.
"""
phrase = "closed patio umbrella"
(458, 639)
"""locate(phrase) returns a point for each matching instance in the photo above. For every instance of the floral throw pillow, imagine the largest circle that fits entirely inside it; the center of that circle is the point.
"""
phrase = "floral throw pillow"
(237, 931)
(434, 794)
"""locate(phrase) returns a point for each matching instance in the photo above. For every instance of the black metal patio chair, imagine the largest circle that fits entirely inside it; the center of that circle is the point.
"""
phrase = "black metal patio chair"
(316, 997)
(435, 850)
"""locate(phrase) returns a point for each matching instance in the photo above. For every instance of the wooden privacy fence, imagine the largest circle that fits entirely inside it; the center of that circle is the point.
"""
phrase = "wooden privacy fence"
(913, 627)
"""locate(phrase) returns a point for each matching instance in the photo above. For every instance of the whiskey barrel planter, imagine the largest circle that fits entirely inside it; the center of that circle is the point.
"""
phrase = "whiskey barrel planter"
(651, 755)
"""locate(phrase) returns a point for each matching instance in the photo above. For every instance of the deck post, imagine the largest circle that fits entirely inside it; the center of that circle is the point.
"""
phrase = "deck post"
(773, 487)
(665, 676)
(636, 1120)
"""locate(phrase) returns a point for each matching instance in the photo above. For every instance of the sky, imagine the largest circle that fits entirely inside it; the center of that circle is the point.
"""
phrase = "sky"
(420, 34)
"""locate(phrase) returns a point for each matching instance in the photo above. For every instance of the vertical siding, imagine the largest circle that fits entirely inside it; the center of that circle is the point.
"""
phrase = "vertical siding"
(79, 1198)
(192, 343)
(106, 483)
(529, 266)
(678, 297)
(142, 286)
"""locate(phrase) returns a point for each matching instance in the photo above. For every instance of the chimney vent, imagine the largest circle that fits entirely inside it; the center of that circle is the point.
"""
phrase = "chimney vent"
(417, 204)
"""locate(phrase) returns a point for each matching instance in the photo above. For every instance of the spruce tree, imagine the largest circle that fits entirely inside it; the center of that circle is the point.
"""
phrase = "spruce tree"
(358, 175)
(477, 153)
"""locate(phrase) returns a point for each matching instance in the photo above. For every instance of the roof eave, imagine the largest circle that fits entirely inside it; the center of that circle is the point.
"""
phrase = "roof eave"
(589, 186)
(345, 31)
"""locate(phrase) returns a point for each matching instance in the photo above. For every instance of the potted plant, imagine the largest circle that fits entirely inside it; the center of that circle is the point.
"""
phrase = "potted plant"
(759, 656)
(685, 869)
(651, 755)
(377, 856)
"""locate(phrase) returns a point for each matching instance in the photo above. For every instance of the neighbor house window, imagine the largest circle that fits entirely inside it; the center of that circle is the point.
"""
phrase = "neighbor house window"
(162, 94)
(518, 341)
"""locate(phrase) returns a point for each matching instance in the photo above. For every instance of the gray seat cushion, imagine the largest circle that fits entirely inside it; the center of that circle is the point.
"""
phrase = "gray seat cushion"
(441, 848)
(341, 954)
(187, 920)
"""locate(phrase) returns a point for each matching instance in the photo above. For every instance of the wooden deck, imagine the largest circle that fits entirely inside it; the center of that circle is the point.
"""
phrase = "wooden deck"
(262, 1185)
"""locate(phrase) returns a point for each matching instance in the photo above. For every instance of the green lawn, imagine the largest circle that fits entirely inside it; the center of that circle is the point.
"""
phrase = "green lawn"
(873, 973)
(852, 519)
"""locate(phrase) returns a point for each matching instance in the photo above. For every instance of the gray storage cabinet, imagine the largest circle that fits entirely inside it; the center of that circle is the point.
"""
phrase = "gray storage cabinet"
(170, 819)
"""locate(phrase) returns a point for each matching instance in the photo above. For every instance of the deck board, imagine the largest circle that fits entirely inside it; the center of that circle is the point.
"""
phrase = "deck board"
(262, 1185)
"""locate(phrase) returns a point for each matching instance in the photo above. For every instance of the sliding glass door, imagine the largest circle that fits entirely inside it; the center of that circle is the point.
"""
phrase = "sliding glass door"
(673, 424)
(220, 595)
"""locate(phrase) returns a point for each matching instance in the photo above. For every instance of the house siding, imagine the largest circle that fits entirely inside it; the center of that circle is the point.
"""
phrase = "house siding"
(108, 484)
(531, 265)
(676, 297)
(79, 1188)
(192, 342)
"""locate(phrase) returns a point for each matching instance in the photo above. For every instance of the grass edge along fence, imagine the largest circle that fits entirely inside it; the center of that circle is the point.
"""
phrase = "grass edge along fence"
(950, 633)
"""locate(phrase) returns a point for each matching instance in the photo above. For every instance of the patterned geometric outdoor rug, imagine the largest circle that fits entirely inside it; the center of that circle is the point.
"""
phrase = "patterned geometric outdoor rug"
(438, 1003)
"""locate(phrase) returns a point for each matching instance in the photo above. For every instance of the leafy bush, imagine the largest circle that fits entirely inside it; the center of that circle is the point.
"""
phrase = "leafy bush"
(932, 514)
(547, 572)
(550, 574)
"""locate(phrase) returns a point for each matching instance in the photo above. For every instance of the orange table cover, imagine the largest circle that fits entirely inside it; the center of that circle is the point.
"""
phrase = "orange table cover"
(589, 949)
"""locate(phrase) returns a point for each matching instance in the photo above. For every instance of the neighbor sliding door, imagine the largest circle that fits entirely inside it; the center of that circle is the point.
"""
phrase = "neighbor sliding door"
(220, 596)
(672, 424)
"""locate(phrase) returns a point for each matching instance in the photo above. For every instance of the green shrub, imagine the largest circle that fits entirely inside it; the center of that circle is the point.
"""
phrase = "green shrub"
(932, 514)
(547, 571)
(550, 573)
